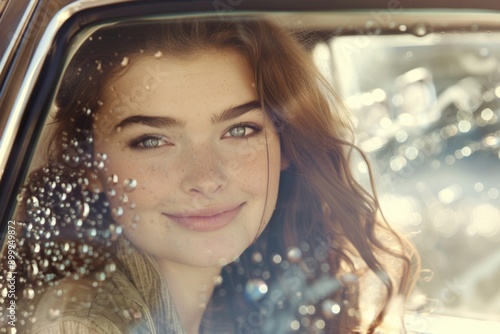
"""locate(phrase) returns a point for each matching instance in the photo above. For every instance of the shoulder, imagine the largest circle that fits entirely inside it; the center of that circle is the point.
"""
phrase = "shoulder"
(84, 306)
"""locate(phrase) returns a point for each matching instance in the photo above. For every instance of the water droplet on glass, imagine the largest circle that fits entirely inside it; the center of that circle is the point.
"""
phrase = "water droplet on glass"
(294, 254)
(109, 268)
(41, 220)
(84, 249)
(421, 29)
(129, 184)
(85, 210)
(277, 259)
(92, 232)
(484, 52)
(426, 275)
(352, 312)
(125, 61)
(372, 28)
(66, 247)
(240, 271)
(29, 293)
(118, 211)
(33, 203)
(111, 192)
(113, 179)
(330, 308)
(124, 198)
(100, 276)
(116, 231)
(218, 280)
(255, 289)
(47, 212)
(320, 324)
(54, 313)
(285, 265)
(126, 315)
(295, 325)
(257, 257)
(34, 268)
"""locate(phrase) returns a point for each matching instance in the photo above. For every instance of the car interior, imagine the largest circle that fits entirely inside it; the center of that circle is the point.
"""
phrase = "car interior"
(422, 86)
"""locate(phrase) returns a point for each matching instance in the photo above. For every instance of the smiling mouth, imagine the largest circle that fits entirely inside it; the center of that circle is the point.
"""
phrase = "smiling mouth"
(206, 220)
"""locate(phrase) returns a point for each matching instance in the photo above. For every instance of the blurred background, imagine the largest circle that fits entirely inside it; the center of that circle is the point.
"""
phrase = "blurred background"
(426, 109)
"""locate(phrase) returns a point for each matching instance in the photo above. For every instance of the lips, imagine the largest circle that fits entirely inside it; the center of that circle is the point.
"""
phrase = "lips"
(206, 220)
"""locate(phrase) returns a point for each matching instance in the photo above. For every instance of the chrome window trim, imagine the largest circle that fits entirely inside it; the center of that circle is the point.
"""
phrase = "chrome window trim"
(17, 34)
(3, 5)
(15, 115)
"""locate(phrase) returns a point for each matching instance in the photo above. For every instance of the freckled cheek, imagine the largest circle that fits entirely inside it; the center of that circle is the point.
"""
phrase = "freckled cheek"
(152, 180)
(249, 167)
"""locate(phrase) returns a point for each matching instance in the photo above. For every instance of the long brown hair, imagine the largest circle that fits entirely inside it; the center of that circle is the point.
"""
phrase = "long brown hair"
(322, 211)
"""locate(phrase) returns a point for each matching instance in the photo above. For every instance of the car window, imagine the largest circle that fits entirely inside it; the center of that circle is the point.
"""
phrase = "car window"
(422, 97)
(426, 108)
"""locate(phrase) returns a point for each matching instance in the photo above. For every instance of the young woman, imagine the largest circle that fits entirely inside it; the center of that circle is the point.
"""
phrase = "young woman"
(198, 180)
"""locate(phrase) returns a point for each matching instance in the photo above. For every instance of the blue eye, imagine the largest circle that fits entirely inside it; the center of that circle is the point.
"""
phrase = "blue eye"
(238, 131)
(151, 142)
(243, 130)
(147, 142)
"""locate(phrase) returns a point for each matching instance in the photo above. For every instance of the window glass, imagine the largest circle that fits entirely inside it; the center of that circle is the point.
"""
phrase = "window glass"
(207, 175)
(426, 108)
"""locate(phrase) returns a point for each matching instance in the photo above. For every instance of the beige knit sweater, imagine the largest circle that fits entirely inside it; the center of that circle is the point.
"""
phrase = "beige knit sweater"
(133, 299)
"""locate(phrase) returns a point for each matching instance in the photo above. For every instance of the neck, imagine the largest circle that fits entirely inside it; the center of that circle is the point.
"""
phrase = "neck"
(191, 289)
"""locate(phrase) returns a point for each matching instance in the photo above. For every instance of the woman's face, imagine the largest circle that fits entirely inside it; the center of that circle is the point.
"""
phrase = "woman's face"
(193, 163)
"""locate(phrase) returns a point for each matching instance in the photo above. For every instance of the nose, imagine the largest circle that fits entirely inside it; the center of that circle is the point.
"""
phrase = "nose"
(204, 173)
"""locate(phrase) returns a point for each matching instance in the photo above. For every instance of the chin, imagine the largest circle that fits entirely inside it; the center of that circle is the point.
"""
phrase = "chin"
(217, 258)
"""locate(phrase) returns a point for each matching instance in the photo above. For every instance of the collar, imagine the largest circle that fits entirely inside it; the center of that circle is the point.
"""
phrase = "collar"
(143, 272)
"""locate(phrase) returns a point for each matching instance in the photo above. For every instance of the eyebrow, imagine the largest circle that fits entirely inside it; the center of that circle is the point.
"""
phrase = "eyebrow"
(235, 112)
(152, 121)
(166, 121)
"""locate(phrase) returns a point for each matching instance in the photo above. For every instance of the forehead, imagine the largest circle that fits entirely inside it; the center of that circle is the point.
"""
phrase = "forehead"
(160, 68)
(210, 80)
